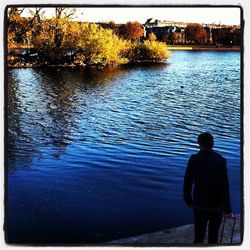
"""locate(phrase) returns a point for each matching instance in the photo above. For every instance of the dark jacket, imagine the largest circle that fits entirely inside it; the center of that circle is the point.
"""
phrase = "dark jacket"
(206, 173)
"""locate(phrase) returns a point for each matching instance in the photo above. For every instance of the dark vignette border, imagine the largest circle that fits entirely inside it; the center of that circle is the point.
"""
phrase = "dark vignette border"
(5, 40)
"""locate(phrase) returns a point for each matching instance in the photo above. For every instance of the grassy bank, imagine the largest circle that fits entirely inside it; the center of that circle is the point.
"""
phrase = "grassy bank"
(203, 48)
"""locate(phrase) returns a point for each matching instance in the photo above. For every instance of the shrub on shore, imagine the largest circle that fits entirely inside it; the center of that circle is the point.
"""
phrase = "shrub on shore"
(149, 51)
(60, 41)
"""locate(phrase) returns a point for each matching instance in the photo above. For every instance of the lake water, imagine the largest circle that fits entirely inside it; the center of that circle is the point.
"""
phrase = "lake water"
(99, 155)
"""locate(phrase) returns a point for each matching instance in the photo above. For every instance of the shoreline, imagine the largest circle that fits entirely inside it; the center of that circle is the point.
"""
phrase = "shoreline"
(77, 66)
(202, 48)
(23, 64)
(180, 236)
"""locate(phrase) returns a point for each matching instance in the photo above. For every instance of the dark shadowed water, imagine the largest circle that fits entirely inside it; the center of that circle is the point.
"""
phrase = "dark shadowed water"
(100, 155)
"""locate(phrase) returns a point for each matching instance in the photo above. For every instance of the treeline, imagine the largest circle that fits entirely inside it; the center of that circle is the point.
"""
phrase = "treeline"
(196, 34)
(60, 40)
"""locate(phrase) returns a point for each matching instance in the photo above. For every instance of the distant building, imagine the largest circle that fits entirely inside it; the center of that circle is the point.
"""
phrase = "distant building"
(167, 31)
(151, 22)
(180, 36)
(176, 32)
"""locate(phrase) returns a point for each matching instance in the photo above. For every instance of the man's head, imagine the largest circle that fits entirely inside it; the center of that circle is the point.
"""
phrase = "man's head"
(206, 141)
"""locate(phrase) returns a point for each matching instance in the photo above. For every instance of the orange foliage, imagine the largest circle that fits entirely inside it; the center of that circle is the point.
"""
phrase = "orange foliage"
(152, 37)
(196, 32)
(201, 35)
(173, 36)
(133, 30)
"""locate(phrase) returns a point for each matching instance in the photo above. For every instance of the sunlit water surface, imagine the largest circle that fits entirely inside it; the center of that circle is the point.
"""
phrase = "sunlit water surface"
(100, 155)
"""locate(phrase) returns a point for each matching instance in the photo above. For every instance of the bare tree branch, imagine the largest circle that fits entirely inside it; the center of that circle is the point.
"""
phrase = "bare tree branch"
(30, 22)
(65, 12)
(20, 11)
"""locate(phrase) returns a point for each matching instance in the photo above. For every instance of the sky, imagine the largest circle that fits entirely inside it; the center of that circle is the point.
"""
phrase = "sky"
(226, 15)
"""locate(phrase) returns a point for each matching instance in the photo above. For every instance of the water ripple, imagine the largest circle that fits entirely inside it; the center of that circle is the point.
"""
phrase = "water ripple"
(114, 143)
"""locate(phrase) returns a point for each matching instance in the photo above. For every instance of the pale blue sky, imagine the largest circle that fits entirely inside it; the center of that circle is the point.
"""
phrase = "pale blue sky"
(224, 15)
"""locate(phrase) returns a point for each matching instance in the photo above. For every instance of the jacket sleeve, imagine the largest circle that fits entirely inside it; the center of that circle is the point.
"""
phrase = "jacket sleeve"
(226, 193)
(188, 183)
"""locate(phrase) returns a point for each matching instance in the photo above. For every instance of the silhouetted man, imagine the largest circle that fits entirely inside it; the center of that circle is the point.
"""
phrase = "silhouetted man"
(206, 190)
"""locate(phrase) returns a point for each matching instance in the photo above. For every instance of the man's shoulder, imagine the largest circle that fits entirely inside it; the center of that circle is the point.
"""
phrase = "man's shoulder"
(194, 157)
(211, 153)
(218, 156)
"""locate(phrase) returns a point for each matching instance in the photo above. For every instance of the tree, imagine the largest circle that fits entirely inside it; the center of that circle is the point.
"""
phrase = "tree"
(111, 25)
(64, 12)
(201, 36)
(196, 33)
(14, 27)
(173, 37)
(87, 43)
(100, 46)
(133, 30)
(71, 35)
(55, 36)
(19, 26)
(191, 31)
(152, 37)
(46, 43)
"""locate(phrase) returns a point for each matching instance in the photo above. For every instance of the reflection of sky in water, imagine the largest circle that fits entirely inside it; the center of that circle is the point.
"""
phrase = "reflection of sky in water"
(107, 149)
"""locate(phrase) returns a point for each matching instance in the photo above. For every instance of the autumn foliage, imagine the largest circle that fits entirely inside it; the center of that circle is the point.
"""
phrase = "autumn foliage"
(152, 37)
(149, 51)
(196, 33)
(174, 37)
(100, 46)
(60, 40)
(133, 30)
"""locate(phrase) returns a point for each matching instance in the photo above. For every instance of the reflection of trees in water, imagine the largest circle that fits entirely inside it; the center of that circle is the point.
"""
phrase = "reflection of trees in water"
(61, 98)
(46, 109)
(95, 77)
(63, 89)
(101, 76)
(19, 145)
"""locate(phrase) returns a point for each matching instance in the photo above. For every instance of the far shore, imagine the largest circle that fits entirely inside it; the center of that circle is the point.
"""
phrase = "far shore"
(203, 48)
(23, 64)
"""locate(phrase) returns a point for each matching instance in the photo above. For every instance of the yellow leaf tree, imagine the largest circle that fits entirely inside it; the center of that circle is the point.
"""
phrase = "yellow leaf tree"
(100, 46)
